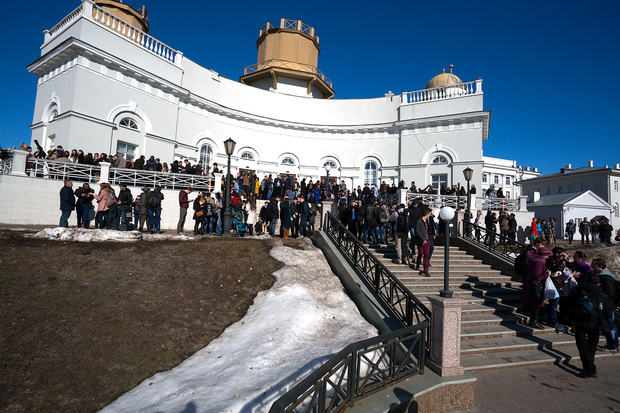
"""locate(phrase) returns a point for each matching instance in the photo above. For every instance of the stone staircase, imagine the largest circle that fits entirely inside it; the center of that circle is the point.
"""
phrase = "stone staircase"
(494, 333)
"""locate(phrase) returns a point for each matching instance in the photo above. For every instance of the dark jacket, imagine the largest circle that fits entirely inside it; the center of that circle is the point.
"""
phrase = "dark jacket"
(67, 199)
(126, 199)
(83, 196)
(603, 315)
(274, 212)
(421, 232)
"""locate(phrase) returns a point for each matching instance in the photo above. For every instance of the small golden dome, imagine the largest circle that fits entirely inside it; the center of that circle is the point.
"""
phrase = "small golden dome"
(444, 79)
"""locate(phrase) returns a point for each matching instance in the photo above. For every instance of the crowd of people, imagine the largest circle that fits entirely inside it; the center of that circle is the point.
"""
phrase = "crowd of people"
(580, 296)
(601, 231)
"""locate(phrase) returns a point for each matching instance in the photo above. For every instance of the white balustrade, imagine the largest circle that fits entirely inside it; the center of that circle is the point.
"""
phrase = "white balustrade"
(456, 202)
(167, 180)
(45, 168)
(6, 166)
(443, 92)
(63, 23)
(91, 11)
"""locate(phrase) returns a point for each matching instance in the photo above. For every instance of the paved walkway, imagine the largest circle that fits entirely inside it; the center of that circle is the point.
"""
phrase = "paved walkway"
(548, 388)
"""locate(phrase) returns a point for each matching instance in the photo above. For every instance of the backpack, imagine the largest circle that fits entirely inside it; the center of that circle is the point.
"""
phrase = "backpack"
(401, 222)
(584, 305)
(110, 201)
(209, 209)
(153, 200)
(521, 262)
(383, 216)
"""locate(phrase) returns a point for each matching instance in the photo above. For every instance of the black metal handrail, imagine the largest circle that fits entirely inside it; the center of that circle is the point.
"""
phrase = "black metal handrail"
(357, 371)
(494, 242)
(405, 305)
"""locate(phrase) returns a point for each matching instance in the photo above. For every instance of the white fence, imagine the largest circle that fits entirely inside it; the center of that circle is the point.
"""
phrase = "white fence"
(43, 168)
(6, 166)
(165, 180)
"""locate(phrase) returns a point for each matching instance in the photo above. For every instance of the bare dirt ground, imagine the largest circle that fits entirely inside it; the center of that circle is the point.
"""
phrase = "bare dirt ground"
(82, 323)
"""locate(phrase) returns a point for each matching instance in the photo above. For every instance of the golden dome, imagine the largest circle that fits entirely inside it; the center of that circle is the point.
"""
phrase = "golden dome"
(444, 79)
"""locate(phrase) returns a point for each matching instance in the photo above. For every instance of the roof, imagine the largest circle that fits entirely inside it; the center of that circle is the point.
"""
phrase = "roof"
(569, 172)
(562, 199)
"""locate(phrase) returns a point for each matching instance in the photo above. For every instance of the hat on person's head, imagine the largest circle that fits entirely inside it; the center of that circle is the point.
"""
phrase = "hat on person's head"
(544, 251)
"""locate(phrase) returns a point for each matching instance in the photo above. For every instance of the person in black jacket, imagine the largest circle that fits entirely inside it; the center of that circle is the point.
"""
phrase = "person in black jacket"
(84, 204)
(587, 331)
(125, 198)
(274, 214)
(67, 203)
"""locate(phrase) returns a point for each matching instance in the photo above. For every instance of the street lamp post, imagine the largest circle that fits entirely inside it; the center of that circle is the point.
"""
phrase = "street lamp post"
(446, 214)
(327, 169)
(229, 147)
(468, 173)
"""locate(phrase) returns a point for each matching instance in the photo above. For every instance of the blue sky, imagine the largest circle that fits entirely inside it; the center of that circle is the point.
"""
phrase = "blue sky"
(545, 64)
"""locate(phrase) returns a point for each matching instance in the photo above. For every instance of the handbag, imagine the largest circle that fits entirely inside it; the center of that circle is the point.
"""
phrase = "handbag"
(550, 291)
(200, 213)
(539, 291)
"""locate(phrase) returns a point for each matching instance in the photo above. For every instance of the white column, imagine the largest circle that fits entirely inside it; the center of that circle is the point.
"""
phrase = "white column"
(218, 182)
(479, 85)
(87, 8)
(105, 173)
(19, 163)
(523, 203)
(402, 196)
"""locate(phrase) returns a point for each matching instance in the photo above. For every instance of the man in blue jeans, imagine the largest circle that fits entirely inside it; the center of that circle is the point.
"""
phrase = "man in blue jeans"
(67, 203)
(153, 204)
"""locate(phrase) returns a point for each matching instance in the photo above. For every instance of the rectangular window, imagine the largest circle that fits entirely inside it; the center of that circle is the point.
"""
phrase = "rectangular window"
(438, 180)
(126, 149)
(616, 186)
(484, 178)
(496, 179)
(548, 191)
(571, 188)
(559, 189)
(507, 180)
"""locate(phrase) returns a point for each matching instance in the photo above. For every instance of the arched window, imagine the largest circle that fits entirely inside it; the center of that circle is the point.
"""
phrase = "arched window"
(128, 123)
(331, 164)
(206, 154)
(440, 160)
(370, 173)
(288, 161)
(247, 156)
(53, 115)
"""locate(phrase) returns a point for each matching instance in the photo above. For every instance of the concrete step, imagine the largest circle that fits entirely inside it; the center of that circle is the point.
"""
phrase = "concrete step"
(509, 359)
(479, 319)
(491, 308)
(516, 343)
(464, 292)
(476, 332)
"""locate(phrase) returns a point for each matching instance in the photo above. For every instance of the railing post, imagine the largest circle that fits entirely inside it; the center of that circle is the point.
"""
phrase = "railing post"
(402, 196)
(479, 85)
(87, 9)
(19, 163)
(352, 382)
(104, 176)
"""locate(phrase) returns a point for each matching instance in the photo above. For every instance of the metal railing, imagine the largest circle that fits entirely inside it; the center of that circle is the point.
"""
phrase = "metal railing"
(287, 64)
(357, 371)
(136, 177)
(501, 204)
(44, 168)
(6, 166)
(494, 242)
(456, 202)
(405, 305)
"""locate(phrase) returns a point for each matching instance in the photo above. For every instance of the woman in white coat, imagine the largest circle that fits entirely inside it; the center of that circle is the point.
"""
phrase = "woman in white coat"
(250, 210)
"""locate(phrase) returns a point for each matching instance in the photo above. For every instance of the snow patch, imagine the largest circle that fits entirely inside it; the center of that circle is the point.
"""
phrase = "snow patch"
(289, 331)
